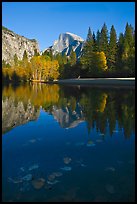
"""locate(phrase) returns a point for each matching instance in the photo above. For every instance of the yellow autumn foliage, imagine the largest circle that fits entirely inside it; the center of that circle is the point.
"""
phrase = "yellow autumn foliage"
(38, 94)
(103, 103)
(100, 60)
(39, 68)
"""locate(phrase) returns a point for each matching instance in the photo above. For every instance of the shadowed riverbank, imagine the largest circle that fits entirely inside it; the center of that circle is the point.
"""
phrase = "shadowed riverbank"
(99, 81)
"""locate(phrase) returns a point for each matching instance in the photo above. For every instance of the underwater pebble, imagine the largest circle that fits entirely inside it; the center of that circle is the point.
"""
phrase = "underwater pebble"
(28, 177)
(35, 166)
(51, 177)
(52, 182)
(66, 168)
(67, 160)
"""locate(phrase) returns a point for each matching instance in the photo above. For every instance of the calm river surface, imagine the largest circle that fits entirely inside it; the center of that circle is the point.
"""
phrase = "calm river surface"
(68, 143)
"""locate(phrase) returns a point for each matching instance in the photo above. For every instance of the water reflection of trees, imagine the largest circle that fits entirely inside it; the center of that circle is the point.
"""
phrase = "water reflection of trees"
(102, 106)
(98, 106)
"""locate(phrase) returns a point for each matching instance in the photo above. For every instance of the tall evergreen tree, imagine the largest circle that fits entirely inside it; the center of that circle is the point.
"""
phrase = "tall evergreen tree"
(72, 58)
(119, 62)
(36, 53)
(129, 50)
(112, 48)
(94, 43)
(87, 50)
(104, 40)
(128, 35)
(98, 37)
(89, 35)
(25, 55)
(15, 60)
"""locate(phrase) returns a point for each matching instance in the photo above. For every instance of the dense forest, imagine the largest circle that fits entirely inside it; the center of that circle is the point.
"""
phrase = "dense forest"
(103, 55)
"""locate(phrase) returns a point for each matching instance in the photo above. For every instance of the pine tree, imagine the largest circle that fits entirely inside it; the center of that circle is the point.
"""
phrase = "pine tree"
(129, 50)
(15, 60)
(112, 48)
(104, 40)
(98, 37)
(89, 36)
(128, 35)
(94, 43)
(119, 62)
(86, 58)
(25, 55)
(36, 52)
(126, 52)
(72, 58)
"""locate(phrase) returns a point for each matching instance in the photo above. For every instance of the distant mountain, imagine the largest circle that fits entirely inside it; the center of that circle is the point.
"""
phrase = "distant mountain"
(67, 42)
(13, 43)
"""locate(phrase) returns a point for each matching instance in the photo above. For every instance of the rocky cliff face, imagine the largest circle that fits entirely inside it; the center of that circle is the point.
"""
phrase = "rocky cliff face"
(15, 44)
(67, 42)
(15, 113)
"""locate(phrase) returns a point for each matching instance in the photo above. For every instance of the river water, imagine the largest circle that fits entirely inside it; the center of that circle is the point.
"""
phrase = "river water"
(68, 143)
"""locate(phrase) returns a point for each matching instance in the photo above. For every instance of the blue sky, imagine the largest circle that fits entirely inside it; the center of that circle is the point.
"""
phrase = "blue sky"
(44, 21)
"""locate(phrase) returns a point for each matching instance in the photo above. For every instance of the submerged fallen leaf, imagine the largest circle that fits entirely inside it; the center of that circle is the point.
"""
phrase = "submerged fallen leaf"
(67, 160)
(39, 183)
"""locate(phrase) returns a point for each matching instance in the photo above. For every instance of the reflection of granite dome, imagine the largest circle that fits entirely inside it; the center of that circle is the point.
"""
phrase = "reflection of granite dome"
(16, 114)
(66, 117)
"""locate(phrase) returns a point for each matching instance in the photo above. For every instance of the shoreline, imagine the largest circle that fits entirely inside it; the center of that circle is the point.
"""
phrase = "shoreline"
(97, 81)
